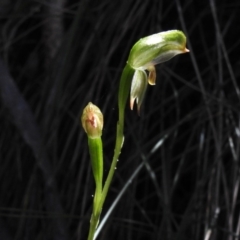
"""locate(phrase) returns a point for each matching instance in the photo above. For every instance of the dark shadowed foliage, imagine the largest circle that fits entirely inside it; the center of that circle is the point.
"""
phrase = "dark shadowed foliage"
(178, 175)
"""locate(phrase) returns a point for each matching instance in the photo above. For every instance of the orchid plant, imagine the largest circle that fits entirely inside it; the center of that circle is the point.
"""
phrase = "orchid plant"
(137, 73)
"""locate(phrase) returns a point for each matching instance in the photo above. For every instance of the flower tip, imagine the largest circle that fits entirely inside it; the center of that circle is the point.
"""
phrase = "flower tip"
(186, 50)
(132, 103)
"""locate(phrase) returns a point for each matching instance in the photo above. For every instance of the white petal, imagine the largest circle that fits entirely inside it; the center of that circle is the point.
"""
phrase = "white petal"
(138, 88)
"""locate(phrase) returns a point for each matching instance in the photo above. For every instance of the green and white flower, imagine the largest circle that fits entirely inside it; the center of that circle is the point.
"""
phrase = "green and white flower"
(148, 52)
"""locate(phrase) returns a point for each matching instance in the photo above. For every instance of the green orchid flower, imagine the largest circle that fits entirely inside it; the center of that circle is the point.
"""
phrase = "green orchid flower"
(137, 73)
(148, 52)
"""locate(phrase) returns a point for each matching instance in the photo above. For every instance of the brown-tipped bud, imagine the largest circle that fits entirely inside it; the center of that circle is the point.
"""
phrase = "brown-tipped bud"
(92, 121)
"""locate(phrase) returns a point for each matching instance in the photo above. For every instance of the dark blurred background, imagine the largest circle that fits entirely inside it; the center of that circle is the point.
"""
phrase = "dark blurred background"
(178, 174)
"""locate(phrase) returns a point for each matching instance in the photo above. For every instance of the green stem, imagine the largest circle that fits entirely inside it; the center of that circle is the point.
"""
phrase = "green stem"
(93, 223)
(95, 149)
(124, 89)
(96, 154)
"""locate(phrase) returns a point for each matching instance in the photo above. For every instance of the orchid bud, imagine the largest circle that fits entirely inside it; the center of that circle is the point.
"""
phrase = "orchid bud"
(157, 48)
(92, 121)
